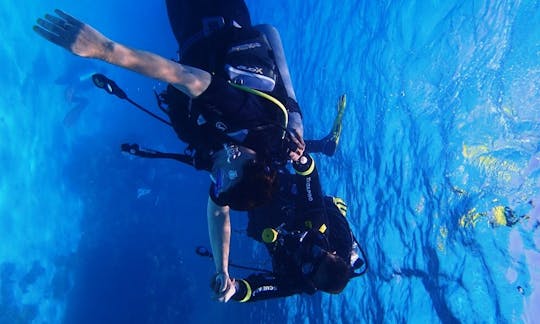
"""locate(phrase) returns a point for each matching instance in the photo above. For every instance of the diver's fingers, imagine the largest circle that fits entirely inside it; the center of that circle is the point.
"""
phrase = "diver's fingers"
(50, 26)
(300, 139)
(300, 145)
(53, 38)
(55, 20)
(296, 138)
(220, 283)
(56, 30)
(70, 19)
(218, 286)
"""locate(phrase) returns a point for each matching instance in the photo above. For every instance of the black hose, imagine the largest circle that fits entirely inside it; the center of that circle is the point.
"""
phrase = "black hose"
(102, 82)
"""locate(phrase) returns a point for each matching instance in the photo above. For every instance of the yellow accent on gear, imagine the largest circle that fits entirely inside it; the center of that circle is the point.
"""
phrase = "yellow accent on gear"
(269, 98)
(308, 171)
(341, 205)
(323, 228)
(336, 128)
(269, 235)
(248, 292)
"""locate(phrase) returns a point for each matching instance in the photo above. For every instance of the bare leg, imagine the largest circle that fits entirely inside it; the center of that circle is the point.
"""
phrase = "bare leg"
(83, 40)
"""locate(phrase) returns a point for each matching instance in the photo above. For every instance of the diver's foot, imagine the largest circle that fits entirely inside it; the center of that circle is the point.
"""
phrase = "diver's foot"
(330, 143)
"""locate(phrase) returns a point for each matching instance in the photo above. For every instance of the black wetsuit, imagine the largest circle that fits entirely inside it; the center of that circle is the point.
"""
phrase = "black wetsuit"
(300, 206)
(187, 19)
(222, 109)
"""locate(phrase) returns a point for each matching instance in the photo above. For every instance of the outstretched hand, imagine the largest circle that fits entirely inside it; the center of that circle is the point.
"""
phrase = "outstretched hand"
(298, 144)
(73, 35)
(223, 286)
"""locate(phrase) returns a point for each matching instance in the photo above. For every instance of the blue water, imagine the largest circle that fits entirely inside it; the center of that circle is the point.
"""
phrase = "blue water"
(442, 126)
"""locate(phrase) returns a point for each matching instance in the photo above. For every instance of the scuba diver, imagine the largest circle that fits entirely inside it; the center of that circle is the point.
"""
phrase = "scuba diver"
(308, 238)
(229, 98)
(236, 132)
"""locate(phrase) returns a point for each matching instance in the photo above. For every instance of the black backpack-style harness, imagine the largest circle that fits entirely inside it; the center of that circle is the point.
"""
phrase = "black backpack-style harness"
(249, 56)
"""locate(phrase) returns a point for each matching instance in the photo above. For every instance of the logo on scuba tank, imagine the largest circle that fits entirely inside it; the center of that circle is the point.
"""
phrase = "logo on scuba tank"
(264, 289)
(252, 69)
(244, 47)
(308, 189)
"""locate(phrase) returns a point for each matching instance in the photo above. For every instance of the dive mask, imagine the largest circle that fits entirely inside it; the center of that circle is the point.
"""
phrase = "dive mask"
(228, 166)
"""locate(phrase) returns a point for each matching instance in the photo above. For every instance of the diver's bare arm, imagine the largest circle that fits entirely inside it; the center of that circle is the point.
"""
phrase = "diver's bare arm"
(295, 123)
(85, 41)
(219, 230)
(190, 80)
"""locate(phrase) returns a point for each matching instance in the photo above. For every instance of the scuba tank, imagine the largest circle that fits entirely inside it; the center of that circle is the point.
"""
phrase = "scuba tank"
(249, 60)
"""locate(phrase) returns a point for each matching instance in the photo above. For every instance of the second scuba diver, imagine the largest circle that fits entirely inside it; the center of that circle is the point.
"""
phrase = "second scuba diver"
(308, 238)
